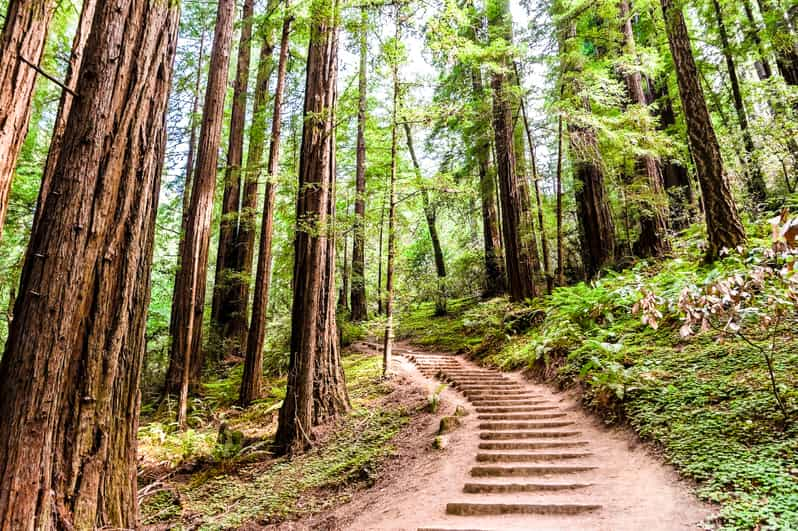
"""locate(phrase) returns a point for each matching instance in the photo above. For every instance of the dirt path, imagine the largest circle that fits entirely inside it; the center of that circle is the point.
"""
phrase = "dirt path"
(524, 458)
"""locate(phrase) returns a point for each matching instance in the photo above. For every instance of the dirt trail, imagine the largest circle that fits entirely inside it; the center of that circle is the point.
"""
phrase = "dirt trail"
(524, 458)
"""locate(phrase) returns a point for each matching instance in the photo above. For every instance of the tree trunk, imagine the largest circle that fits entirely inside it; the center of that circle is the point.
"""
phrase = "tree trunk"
(228, 310)
(535, 181)
(560, 272)
(253, 365)
(387, 347)
(494, 266)
(754, 181)
(723, 223)
(316, 389)
(70, 372)
(782, 41)
(380, 308)
(358, 298)
(762, 65)
(22, 42)
(517, 248)
(653, 240)
(186, 360)
(65, 104)
(596, 228)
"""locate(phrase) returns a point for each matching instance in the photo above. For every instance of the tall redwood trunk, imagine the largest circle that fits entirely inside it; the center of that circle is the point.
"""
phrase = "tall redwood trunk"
(316, 390)
(535, 181)
(518, 251)
(560, 253)
(228, 310)
(596, 227)
(22, 42)
(65, 104)
(752, 31)
(358, 297)
(723, 223)
(186, 359)
(253, 365)
(494, 263)
(70, 372)
(755, 182)
(782, 40)
(653, 240)
(387, 344)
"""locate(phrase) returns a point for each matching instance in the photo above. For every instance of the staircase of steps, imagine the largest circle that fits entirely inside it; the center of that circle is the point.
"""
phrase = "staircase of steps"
(530, 461)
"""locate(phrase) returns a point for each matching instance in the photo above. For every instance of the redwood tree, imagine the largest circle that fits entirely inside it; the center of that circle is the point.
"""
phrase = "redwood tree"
(21, 48)
(70, 371)
(316, 390)
(253, 364)
(229, 310)
(723, 223)
(358, 294)
(653, 240)
(186, 360)
(65, 104)
(518, 238)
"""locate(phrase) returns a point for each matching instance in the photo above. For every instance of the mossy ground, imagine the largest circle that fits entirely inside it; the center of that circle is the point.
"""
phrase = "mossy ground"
(210, 487)
(705, 401)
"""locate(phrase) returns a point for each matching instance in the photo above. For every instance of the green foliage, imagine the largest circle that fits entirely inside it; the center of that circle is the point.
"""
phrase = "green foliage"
(707, 400)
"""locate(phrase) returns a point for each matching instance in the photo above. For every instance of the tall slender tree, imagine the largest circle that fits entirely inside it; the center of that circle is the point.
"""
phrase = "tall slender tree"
(387, 344)
(251, 380)
(754, 180)
(653, 240)
(358, 297)
(228, 310)
(21, 47)
(70, 371)
(723, 223)
(518, 250)
(65, 104)
(186, 359)
(316, 390)
(596, 227)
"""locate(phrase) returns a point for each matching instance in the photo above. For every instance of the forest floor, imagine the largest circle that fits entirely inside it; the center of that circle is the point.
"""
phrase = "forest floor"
(199, 480)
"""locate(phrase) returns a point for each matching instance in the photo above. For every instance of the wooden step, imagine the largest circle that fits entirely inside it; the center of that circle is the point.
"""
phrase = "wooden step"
(514, 435)
(511, 488)
(507, 426)
(530, 445)
(521, 416)
(515, 409)
(474, 509)
(527, 471)
(529, 457)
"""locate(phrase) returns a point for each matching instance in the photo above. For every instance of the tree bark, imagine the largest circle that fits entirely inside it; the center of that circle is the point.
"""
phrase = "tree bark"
(253, 364)
(782, 40)
(316, 390)
(755, 182)
(358, 297)
(596, 227)
(653, 240)
(228, 309)
(22, 41)
(535, 179)
(387, 346)
(494, 266)
(560, 271)
(65, 104)
(517, 247)
(762, 65)
(186, 360)
(723, 223)
(70, 372)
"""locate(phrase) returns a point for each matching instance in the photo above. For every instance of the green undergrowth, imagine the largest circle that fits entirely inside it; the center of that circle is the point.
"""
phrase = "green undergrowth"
(234, 487)
(706, 400)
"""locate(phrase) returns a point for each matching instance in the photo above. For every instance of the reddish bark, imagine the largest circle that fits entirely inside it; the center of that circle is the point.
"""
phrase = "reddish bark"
(71, 368)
